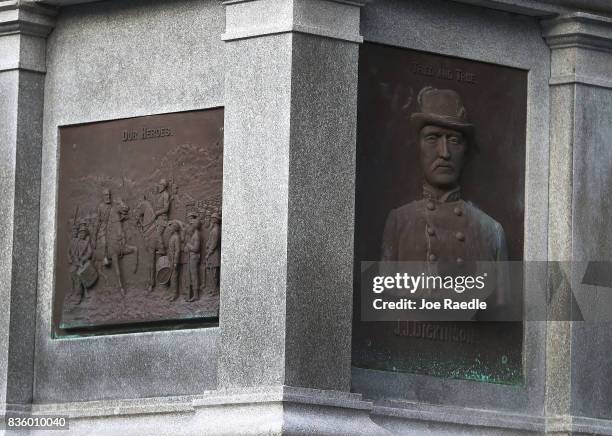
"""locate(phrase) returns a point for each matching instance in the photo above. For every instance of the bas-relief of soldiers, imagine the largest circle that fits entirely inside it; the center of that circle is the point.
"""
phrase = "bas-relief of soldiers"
(183, 255)
(142, 205)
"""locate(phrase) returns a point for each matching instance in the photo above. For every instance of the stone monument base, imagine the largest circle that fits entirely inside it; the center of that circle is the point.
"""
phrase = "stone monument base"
(285, 410)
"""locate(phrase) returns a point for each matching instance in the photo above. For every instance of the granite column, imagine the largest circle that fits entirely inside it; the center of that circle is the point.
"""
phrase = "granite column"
(288, 193)
(579, 220)
(23, 30)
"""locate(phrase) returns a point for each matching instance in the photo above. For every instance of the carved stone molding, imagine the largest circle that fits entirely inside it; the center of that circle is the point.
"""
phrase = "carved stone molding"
(581, 47)
(336, 19)
(24, 27)
(603, 6)
(26, 17)
(579, 30)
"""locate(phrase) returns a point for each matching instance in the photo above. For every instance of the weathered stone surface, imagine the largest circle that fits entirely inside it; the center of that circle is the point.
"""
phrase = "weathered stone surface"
(106, 61)
(288, 195)
(22, 60)
(581, 60)
(248, 411)
(118, 59)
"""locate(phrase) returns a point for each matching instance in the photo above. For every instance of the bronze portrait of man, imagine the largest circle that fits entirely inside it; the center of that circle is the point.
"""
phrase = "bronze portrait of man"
(442, 226)
(440, 190)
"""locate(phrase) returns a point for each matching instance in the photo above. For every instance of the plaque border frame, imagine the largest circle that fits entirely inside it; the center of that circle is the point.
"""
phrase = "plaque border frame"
(516, 42)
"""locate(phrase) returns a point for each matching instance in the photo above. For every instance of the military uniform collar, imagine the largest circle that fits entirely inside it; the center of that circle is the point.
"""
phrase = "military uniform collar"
(447, 197)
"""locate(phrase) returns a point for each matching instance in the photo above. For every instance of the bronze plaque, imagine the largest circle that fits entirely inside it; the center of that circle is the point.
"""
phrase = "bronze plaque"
(139, 222)
(440, 178)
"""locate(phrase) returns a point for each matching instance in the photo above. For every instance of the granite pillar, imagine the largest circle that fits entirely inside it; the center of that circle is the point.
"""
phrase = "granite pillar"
(23, 29)
(288, 193)
(579, 220)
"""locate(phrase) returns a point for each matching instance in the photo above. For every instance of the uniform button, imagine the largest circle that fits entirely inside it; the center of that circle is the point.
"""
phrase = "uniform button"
(432, 258)
(430, 231)
(431, 205)
(458, 211)
(460, 236)
(459, 261)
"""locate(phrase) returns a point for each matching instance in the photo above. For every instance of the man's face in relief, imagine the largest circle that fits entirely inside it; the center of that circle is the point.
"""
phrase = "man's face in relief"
(442, 155)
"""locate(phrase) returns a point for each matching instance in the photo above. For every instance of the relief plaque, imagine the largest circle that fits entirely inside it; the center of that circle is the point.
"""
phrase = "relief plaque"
(440, 178)
(139, 222)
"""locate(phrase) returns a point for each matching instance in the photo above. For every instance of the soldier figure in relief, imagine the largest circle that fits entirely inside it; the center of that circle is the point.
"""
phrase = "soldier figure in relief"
(154, 219)
(82, 257)
(204, 231)
(442, 227)
(73, 258)
(162, 205)
(101, 226)
(193, 247)
(117, 242)
(162, 211)
(145, 215)
(213, 253)
(174, 258)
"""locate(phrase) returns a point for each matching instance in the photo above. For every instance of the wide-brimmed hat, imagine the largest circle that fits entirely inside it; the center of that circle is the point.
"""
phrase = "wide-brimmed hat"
(441, 107)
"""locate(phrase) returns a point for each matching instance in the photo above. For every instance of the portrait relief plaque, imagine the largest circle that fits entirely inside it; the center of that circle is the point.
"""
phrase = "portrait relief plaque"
(440, 178)
(139, 221)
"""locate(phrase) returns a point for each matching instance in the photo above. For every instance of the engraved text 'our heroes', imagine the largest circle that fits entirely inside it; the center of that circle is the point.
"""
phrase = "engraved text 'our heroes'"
(146, 133)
